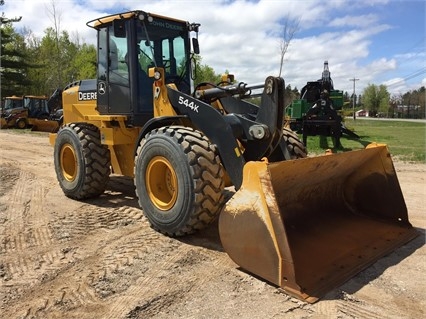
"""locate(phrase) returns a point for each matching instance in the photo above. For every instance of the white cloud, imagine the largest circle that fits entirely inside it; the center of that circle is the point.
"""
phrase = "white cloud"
(354, 21)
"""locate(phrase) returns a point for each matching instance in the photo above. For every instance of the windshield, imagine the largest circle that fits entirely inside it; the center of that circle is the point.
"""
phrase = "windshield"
(164, 43)
(12, 103)
(36, 105)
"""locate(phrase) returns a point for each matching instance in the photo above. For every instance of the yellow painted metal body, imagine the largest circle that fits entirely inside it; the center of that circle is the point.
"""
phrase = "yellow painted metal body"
(43, 125)
(3, 123)
(19, 113)
(308, 225)
(162, 183)
(114, 133)
(162, 105)
(12, 122)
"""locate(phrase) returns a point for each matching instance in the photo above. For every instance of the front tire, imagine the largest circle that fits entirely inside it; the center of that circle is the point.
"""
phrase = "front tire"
(179, 180)
(82, 163)
(21, 124)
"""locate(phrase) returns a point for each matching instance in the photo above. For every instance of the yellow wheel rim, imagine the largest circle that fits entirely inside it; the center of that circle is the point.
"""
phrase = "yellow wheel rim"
(68, 162)
(161, 183)
(21, 124)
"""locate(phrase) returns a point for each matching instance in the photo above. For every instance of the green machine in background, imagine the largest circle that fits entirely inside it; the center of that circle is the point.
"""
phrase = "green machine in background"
(315, 113)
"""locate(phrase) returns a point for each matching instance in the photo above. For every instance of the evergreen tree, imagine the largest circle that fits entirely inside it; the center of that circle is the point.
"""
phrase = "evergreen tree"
(13, 67)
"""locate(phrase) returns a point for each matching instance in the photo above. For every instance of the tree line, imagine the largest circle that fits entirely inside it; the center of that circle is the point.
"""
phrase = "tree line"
(38, 66)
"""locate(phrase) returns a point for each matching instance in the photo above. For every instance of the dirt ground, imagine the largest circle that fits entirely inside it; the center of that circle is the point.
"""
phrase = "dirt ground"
(61, 258)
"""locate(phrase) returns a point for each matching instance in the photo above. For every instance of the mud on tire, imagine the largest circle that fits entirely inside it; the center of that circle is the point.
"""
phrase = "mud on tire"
(179, 180)
(82, 163)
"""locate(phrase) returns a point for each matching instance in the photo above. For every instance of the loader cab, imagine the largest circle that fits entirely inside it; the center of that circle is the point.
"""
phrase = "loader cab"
(128, 45)
(36, 106)
(13, 102)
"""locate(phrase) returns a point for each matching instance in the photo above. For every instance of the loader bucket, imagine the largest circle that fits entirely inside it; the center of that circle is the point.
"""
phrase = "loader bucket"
(3, 123)
(45, 125)
(308, 225)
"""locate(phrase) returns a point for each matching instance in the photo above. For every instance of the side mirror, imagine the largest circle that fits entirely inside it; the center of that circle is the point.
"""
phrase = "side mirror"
(195, 46)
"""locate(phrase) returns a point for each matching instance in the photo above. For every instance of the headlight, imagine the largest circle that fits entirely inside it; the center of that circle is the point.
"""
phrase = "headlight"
(157, 75)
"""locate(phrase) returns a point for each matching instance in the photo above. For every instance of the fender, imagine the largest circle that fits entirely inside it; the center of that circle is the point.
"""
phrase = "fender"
(213, 124)
(155, 123)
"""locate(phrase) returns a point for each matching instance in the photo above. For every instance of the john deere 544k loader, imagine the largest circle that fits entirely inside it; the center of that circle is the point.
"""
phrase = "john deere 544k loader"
(305, 224)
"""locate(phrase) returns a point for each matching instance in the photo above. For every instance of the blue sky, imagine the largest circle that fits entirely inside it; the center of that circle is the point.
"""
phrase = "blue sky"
(376, 41)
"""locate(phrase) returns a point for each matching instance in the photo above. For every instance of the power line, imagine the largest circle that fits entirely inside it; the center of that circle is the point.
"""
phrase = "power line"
(409, 77)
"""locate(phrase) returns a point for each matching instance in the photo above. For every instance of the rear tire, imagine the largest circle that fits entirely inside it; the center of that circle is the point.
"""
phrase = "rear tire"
(295, 146)
(82, 163)
(179, 180)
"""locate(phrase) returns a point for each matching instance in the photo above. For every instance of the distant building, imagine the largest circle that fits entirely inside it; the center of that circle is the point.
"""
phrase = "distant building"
(361, 113)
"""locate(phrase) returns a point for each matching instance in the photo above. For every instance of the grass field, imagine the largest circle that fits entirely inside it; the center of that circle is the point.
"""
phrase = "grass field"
(406, 140)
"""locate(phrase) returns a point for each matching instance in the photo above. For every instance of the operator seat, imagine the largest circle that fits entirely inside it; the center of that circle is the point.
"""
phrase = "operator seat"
(144, 94)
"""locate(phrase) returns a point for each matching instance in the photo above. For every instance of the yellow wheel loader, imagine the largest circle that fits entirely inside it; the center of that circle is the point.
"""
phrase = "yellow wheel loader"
(31, 111)
(45, 114)
(12, 110)
(304, 224)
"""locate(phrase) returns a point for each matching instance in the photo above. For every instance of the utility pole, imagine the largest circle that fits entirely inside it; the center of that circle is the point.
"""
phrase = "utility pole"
(353, 97)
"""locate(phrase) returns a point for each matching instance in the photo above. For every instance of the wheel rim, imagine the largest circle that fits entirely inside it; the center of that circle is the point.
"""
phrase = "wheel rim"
(161, 183)
(21, 124)
(68, 162)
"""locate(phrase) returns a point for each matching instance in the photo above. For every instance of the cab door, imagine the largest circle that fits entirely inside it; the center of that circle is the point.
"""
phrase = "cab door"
(113, 85)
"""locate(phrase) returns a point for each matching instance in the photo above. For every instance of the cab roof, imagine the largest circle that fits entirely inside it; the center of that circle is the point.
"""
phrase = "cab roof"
(99, 22)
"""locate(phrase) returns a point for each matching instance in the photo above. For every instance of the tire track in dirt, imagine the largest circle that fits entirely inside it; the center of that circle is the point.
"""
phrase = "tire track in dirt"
(142, 297)
(25, 203)
(24, 269)
(356, 310)
(171, 292)
(17, 204)
(62, 289)
(31, 238)
(122, 259)
(36, 214)
(161, 292)
(346, 307)
(26, 237)
(89, 218)
(27, 258)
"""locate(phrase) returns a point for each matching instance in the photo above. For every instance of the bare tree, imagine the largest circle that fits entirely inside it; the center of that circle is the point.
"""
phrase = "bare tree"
(55, 17)
(290, 27)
